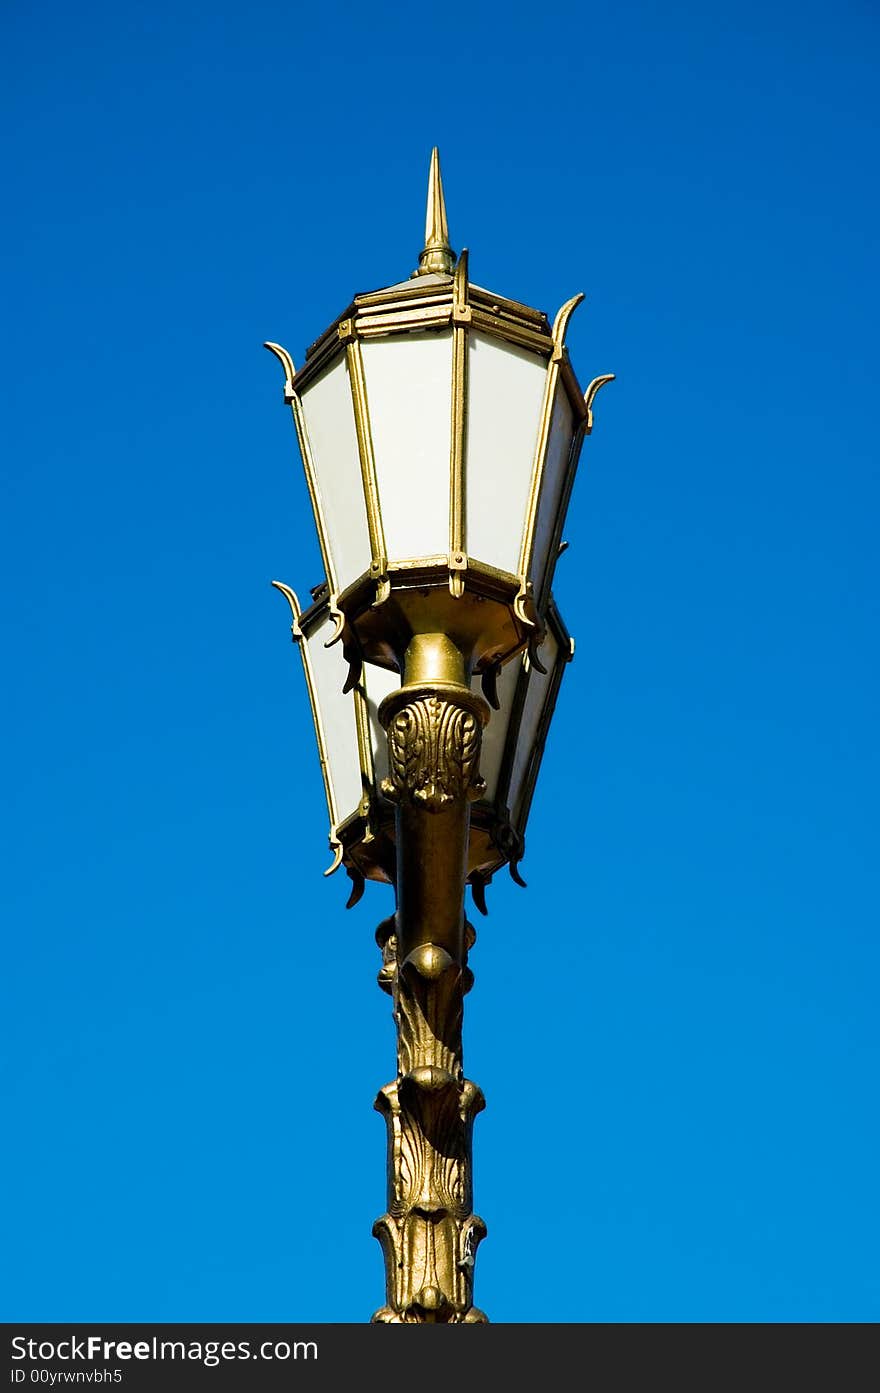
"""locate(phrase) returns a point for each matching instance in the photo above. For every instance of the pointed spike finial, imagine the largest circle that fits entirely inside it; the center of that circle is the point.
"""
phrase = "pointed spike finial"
(437, 254)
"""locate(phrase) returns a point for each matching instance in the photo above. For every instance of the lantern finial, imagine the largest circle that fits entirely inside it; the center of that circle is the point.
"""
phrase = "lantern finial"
(437, 254)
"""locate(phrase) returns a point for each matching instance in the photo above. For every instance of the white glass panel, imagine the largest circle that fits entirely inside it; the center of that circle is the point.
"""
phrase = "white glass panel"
(337, 718)
(409, 391)
(505, 392)
(333, 439)
(536, 697)
(495, 733)
(555, 468)
(378, 682)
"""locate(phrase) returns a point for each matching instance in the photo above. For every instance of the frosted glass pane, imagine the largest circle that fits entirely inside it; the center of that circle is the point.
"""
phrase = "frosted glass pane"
(505, 392)
(536, 698)
(495, 733)
(558, 449)
(333, 439)
(378, 682)
(336, 713)
(409, 390)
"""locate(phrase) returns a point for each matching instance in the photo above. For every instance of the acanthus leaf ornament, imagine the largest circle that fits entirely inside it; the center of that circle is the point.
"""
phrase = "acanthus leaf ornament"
(433, 747)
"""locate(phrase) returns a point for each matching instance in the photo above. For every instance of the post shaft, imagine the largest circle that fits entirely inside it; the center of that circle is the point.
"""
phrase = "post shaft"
(429, 1234)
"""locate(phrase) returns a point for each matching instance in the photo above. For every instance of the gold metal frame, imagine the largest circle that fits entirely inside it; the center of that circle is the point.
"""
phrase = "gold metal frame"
(461, 318)
(506, 827)
(293, 400)
(584, 428)
(361, 838)
(298, 636)
(416, 306)
(555, 547)
(565, 654)
(526, 554)
(360, 406)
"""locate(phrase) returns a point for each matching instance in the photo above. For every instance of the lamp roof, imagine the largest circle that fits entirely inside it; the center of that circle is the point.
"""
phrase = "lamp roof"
(427, 299)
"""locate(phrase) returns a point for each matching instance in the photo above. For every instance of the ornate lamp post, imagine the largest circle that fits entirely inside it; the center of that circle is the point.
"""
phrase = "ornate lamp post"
(440, 427)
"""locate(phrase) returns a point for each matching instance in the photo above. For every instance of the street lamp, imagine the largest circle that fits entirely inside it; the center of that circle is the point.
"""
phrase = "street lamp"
(440, 427)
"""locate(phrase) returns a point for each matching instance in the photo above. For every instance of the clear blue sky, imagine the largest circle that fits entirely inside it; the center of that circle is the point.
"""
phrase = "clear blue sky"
(681, 1010)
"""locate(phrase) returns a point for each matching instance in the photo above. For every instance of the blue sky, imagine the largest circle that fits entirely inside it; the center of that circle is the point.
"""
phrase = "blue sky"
(675, 1025)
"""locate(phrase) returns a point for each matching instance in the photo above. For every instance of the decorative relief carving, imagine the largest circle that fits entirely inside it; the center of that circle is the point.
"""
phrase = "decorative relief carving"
(429, 1259)
(433, 753)
(429, 1010)
(430, 1234)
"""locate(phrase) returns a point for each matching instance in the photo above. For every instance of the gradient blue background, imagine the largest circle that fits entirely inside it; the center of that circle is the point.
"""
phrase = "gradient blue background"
(675, 1025)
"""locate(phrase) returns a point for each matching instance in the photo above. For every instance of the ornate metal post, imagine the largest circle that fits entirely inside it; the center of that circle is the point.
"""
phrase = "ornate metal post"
(429, 1235)
(440, 427)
